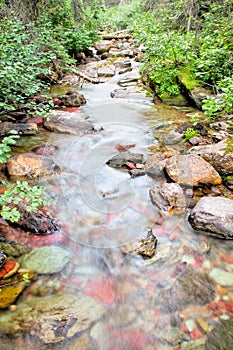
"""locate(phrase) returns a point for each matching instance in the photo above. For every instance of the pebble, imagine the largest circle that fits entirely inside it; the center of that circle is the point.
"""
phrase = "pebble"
(223, 278)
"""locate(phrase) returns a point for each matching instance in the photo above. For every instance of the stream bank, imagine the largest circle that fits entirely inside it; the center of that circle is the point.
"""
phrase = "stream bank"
(126, 270)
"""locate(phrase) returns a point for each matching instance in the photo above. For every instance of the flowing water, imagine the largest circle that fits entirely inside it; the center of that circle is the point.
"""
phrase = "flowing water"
(158, 303)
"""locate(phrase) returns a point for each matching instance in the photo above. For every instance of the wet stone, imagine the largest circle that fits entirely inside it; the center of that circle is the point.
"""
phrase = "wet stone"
(221, 336)
(191, 170)
(122, 158)
(22, 129)
(144, 246)
(12, 249)
(191, 287)
(2, 258)
(73, 99)
(214, 215)
(46, 260)
(224, 278)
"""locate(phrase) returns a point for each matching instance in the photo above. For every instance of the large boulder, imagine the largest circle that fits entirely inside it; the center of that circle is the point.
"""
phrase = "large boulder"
(215, 215)
(31, 165)
(191, 170)
(68, 123)
(169, 198)
(219, 155)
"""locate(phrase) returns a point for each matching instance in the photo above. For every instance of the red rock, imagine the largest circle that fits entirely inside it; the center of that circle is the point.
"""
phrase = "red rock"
(45, 150)
(229, 306)
(122, 148)
(135, 340)
(7, 267)
(130, 165)
(57, 101)
(184, 328)
(36, 120)
(195, 334)
(228, 259)
(103, 290)
(71, 109)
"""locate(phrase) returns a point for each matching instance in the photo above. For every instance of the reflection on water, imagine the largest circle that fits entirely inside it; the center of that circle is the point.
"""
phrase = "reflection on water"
(105, 299)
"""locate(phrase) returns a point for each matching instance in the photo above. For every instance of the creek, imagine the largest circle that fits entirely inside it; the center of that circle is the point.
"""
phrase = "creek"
(118, 300)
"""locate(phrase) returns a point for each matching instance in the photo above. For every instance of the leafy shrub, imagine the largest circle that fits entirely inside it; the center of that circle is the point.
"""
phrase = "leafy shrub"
(5, 149)
(21, 191)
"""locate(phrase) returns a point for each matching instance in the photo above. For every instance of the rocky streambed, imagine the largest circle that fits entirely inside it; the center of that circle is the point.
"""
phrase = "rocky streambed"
(136, 251)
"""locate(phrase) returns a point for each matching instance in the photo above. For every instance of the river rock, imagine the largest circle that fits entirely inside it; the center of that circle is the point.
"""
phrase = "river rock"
(131, 93)
(106, 71)
(31, 165)
(168, 198)
(23, 129)
(37, 222)
(45, 150)
(12, 249)
(144, 246)
(190, 287)
(9, 293)
(219, 155)
(214, 215)
(191, 170)
(73, 99)
(155, 165)
(2, 258)
(121, 159)
(68, 123)
(173, 137)
(54, 318)
(221, 336)
(224, 278)
(46, 260)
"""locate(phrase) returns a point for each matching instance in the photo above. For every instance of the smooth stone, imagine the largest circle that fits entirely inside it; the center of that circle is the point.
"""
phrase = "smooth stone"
(10, 293)
(214, 215)
(222, 277)
(122, 158)
(53, 318)
(22, 129)
(68, 123)
(191, 170)
(46, 260)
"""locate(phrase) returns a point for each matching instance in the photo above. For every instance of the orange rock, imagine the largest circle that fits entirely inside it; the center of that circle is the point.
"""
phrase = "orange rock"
(9, 268)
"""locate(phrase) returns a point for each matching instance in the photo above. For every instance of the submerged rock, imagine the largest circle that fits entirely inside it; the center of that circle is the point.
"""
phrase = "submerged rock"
(45, 150)
(54, 318)
(191, 170)
(46, 260)
(31, 165)
(2, 258)
(191, 287)
(144, 246)
(169, 198)
(213, 214)
(8, 269)
(9, 293)
(221, 336)
(121, 159)
(68, 123)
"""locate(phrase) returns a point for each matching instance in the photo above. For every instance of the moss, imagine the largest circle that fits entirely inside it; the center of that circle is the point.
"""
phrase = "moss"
(187, 78)
(229, 146)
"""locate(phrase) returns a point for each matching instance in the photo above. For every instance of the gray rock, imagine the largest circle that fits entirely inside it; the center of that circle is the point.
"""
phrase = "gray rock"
(169, 198)
(54, 318)
(214, 215)
(123, 157)
(68, 123)
(221, 336)
(224, 278)
(144, 246)
(23, 129)
(191, 287)
(173, 137)
(191, 170)
(46, 260)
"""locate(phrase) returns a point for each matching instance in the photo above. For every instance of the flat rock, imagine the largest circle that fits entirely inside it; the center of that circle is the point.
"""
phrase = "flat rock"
(23, 129)
(224, 278)
(221, 336)
(9, 293)
(191, 170)
(31, 165)
(131, 93)
(46, 260)
(168, 198)
(68, 123)
(214, 215)
(218, 155)
(54, 318)
(122, 158)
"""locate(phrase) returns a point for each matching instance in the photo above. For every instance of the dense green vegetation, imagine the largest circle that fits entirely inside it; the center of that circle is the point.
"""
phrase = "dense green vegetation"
(185, 40)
